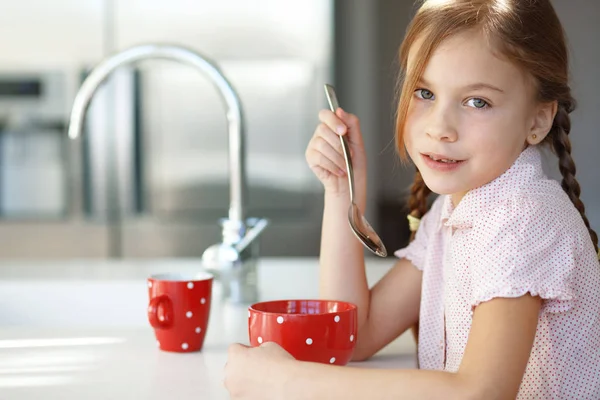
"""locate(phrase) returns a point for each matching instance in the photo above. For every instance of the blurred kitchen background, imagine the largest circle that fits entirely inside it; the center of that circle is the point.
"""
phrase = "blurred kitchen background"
(150, 177)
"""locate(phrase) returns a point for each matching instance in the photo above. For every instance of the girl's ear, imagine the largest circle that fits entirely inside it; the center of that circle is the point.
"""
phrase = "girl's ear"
(542, 122)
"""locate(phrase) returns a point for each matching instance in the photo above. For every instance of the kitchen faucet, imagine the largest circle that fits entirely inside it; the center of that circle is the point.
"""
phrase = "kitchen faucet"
(233, 261)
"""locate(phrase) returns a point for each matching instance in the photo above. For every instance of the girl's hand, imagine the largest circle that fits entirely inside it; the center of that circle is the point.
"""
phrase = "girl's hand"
(325, 156)
(257, 372)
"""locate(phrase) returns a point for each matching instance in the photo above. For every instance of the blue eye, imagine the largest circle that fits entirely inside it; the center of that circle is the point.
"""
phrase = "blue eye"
(424, 94)
(478, 103)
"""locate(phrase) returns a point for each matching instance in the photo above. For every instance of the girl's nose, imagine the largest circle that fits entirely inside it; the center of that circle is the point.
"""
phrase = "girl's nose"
(440, 125)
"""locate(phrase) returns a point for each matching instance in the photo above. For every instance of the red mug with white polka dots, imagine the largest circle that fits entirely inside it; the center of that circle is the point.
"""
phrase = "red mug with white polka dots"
(179, 310)
(321, 331)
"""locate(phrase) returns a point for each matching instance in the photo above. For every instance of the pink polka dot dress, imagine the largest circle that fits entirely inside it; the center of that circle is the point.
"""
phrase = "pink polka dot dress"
(519, 233)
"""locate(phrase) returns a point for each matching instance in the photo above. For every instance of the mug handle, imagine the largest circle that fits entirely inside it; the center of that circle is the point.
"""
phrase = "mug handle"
(155, 302)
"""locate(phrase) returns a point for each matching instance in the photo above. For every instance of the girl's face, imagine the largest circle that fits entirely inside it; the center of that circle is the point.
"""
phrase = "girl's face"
(473, 109)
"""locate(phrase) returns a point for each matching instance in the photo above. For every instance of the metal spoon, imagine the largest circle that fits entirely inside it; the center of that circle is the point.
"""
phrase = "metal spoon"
(360, 226)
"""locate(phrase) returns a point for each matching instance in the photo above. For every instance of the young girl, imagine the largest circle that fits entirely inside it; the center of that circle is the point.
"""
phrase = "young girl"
(503, 275)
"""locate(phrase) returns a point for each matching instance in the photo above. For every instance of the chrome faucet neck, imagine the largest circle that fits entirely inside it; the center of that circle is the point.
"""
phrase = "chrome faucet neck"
(237, 171)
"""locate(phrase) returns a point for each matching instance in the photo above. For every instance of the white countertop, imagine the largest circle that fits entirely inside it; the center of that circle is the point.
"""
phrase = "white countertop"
(78, 330)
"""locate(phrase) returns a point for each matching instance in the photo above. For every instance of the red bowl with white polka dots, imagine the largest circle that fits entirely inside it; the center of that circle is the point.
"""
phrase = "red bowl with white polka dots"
(321, 331)
(179, 309)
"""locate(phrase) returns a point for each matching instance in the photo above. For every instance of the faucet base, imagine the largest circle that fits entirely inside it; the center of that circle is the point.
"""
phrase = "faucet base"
(233, 266)
(239, 284)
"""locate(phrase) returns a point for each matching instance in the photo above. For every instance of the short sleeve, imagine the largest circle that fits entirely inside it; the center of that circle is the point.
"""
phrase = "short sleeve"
(416, 250)
(522, 248)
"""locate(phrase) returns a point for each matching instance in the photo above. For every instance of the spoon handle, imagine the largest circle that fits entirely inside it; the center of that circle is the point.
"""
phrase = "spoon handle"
(334, 105)
(346, 150)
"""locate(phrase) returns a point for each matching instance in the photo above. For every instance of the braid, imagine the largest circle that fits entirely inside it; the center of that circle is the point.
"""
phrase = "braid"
(562, 147)
(417, 206)
(417, 202)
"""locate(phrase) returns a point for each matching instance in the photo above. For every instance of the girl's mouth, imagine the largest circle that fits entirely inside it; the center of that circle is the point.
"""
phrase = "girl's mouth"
(441, 163)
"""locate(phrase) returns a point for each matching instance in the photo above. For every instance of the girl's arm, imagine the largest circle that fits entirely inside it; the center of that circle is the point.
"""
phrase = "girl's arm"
(342, 266)
(343, 277)
(393, 308)
(500, 341)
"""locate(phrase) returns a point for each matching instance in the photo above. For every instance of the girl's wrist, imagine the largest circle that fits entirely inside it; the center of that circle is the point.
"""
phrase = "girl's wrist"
(342, 198)
(288, 379)
(341, 201)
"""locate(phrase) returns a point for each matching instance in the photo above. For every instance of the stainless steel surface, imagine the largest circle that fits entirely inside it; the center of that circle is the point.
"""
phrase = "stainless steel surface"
(234, 268)
(150, 177)
(33, 169)
(36, 93)
(108, 159)
(252, 234)
(185, 172)
(358, 223)
(240, 266)
(36, 167)
(32, 164)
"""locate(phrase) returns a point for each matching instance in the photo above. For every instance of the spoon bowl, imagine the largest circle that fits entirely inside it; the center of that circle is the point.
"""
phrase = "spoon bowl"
(358, 223)
(365, 232)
